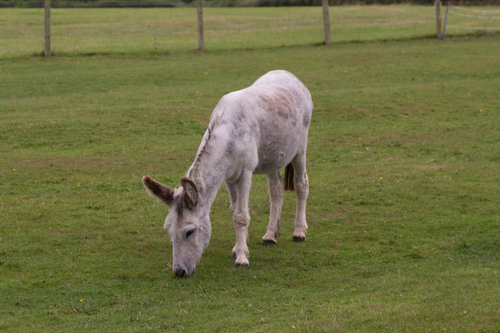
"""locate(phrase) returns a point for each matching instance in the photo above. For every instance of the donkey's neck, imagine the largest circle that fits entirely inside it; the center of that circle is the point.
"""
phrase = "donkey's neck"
(208, 171)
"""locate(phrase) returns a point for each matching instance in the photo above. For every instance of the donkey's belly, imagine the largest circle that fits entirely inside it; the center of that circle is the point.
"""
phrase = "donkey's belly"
(268, 167)
(276, 155)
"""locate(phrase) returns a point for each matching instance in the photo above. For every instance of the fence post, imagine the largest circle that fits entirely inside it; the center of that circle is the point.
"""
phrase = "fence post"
(326, 22)
(438, 19)
(201, 42)
(46, 49)
(446, 18)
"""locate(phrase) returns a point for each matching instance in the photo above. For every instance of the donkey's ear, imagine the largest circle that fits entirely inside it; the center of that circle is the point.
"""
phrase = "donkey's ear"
(191, 196)
(156, 189)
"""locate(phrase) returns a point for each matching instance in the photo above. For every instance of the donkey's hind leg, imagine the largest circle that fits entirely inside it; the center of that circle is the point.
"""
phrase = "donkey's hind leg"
(276, 197)
(301, 184)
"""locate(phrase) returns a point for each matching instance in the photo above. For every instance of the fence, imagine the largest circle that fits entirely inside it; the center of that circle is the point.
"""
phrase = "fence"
(164, 30)
(201, 42)
(459, 18)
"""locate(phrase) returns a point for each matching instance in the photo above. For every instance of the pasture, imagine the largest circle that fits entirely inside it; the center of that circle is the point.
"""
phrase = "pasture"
(166, 30)
(403, 210)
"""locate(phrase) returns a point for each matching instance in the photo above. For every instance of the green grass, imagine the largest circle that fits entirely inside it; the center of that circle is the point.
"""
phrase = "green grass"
(167, 30)
(403, 210)
(163, 30)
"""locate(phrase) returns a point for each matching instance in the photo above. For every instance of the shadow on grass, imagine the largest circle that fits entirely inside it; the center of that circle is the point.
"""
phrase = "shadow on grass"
(156, 53)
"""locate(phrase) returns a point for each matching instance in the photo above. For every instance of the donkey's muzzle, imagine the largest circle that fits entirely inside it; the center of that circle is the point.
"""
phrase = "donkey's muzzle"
(183, 271)
(180, 272)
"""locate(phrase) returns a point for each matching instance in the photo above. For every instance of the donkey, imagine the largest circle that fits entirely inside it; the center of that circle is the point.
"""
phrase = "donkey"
(259, 129)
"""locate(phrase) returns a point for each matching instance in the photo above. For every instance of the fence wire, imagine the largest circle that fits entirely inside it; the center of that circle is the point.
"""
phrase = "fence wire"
(165, 30)
(464, 19)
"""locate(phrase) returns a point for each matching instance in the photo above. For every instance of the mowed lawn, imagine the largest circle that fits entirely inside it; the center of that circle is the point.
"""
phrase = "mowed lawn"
(403, 211)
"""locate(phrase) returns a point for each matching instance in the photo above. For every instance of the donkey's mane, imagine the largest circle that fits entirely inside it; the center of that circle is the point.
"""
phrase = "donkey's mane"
(194, 171)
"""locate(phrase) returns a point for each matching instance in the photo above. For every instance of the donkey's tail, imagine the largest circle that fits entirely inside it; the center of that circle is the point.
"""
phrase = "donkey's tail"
(289, 178)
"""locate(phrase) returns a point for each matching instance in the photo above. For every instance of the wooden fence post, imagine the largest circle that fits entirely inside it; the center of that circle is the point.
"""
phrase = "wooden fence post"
(326, 22)
(46, 49)
(438, 19)
(201, 42)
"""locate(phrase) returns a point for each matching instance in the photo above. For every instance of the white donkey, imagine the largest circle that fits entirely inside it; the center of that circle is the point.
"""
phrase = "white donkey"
(260, 129)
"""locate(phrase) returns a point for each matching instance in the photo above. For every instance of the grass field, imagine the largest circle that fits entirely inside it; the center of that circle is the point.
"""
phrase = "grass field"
(166, 30)
(403, 211)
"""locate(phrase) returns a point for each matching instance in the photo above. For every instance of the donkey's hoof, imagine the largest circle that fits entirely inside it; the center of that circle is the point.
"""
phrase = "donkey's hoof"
(298, 239)
(241, 265)
(266, 242)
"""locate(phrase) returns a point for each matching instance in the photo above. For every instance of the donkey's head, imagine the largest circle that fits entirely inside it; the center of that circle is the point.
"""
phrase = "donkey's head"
(188, 229)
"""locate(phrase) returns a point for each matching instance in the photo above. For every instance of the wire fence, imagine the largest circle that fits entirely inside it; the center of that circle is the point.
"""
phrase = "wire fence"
(166, 30)
(462, 19)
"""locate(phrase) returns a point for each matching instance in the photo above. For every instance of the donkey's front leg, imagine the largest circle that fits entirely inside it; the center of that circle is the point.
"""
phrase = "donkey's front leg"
(241, 217)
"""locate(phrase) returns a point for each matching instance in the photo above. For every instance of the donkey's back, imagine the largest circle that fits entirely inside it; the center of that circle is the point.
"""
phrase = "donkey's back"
(267, 122)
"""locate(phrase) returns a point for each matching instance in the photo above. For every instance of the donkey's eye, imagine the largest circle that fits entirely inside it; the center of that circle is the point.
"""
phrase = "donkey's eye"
(189, 233)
